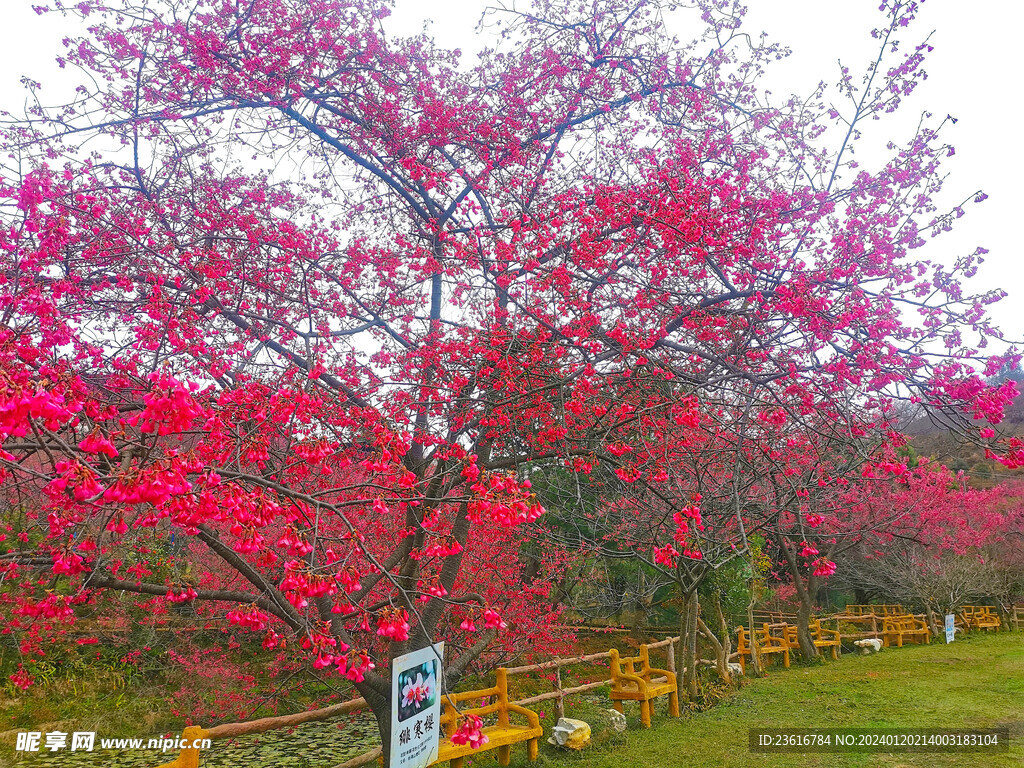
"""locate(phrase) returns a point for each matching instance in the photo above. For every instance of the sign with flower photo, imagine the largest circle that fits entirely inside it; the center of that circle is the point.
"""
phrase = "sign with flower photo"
(416, 707)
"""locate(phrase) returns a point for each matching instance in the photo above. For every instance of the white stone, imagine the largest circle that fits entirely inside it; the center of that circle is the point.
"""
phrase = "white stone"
(616, 720)
(868, 646)
(735, 669)
(570, 733)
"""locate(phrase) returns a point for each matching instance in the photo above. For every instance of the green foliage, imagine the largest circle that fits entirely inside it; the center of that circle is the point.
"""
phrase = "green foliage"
(959, 464)
(570, 498)
(909, 455)
(738, 582)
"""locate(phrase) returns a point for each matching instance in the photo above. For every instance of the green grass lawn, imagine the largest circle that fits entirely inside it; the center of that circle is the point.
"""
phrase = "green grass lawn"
(977, 682)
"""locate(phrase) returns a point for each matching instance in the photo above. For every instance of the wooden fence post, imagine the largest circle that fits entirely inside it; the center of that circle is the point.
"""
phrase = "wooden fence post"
(560, 701)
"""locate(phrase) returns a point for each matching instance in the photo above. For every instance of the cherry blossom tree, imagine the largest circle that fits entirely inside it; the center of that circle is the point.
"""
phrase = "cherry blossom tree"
(958, 545)
(315, 301)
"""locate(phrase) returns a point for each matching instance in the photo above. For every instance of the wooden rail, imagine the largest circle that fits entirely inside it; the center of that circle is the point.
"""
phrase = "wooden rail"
(774, 617)
(189, 757)
(559, 693)
(879, 609)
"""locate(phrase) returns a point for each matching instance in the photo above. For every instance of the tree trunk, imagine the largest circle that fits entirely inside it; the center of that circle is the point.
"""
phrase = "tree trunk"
(687, 683)
(721, 646)
(755, 655)
(637, 620)
(803, 631)
(384, 729)
(805, 591)
(933, 625)
(726, 647)
(684, 623)
(721, 662)
(380, 706)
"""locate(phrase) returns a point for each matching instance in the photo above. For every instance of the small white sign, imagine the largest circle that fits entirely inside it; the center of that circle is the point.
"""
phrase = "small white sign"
(416, 707)
(950, 627)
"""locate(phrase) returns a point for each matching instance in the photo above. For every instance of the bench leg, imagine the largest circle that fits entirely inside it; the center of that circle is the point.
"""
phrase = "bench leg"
(673, 704)
(617, 706)
(835, 653)
(531, 749)
(743, 664)
(645, 713)
(456, 763)
(785, 659)
(504, 754)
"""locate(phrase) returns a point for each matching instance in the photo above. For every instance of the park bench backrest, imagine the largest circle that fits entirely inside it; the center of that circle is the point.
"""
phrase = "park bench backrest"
(623, 668)
(451, 712)
(742, 640)
(819, 635)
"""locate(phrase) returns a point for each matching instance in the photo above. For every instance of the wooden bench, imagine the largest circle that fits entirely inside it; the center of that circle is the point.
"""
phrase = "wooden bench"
(823, 638)
(855, 609)
(500, 736)
(898, 628)
(878, 609)
(189, 755)
(767, 644)
(789, 633)
(826, 638)
(632, 684)
(856, 626)
(980, 617)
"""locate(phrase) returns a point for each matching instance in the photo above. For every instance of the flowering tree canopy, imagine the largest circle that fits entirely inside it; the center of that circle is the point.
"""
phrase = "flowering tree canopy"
(291, 308)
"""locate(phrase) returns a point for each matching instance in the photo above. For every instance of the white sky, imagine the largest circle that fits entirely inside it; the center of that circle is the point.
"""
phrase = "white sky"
(973, 75)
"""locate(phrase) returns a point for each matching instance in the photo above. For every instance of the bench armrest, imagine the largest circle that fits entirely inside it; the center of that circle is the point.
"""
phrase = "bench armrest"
(531, 717)
(766, 639)
(655, 672)
(640, 682)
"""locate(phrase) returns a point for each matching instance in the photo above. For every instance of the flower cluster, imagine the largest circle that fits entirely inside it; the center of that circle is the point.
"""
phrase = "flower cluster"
(98, 443)
(393, 623)
(183, 595)
(170, 407)
(67, 563)
(470, 732)
(248, 618)
(79, 478)
(806, 550)
(505, 499)
(824, 567)
(298, 583)
(20, 403)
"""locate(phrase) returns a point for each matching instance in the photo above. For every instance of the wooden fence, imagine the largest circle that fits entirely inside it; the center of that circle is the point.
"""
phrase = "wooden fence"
(559, 693)
(189, 757)
(1016, 617)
